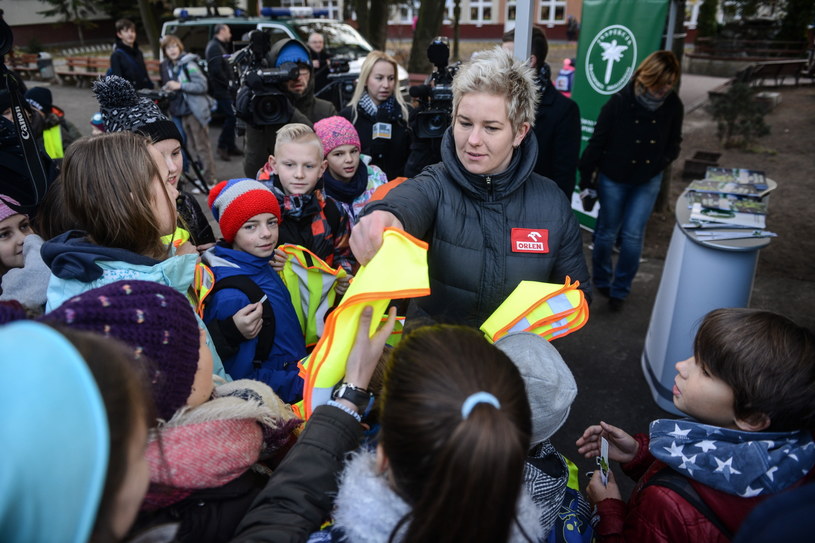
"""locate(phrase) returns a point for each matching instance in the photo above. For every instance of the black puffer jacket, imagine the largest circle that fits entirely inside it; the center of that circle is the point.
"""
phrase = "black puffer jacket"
(468, 220)
(631, 144)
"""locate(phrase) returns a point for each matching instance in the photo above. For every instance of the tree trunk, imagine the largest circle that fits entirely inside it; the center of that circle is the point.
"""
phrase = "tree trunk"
(150, 25)
(377, 30)
(428, 25)
(361, 9)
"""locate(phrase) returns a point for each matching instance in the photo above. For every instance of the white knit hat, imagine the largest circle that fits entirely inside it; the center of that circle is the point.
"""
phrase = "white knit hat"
(550, 385)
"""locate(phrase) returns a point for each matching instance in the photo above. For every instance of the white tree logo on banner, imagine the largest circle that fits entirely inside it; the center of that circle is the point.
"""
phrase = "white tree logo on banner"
(611, 59)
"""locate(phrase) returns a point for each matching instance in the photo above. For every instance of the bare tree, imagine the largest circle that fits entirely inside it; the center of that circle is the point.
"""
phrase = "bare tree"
(372, 16)
(75, 11)
(428, 26)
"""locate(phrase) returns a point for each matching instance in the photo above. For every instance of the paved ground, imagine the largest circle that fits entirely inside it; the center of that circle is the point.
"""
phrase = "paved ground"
(605, 355)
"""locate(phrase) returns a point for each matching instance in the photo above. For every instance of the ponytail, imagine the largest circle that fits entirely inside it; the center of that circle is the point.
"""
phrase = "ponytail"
(461, 472)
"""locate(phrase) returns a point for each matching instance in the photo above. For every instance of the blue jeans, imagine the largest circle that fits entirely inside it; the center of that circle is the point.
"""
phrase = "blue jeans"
(227, 138)
(624, 211)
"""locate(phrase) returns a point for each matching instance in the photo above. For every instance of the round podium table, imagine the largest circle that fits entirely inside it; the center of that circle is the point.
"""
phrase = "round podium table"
(699, 275)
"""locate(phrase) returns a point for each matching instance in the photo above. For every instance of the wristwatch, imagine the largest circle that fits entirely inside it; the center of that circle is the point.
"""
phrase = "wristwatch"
(360, 397)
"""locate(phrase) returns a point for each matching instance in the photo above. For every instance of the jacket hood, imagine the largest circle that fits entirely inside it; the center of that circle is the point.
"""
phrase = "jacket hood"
(226, 262)
(72, 256)
(745, 464)
(367, 509)
(520, 168)
(54, 461)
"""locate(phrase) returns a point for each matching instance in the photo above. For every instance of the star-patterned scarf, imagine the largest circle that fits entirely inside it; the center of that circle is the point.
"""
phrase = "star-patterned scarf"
(741, 463)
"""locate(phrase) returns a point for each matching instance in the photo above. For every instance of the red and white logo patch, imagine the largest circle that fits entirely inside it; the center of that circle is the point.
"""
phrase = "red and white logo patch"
(525, 240)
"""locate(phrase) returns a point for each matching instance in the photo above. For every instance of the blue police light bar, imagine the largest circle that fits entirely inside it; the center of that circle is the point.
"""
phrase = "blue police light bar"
(294, 11)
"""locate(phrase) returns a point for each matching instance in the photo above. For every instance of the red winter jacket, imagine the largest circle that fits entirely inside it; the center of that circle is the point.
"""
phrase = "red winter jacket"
(657, 514)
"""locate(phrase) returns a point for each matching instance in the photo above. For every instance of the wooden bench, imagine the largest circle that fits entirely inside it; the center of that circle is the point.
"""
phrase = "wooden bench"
(83, 69)
(153, 69)
(778, 70)
(24, 64)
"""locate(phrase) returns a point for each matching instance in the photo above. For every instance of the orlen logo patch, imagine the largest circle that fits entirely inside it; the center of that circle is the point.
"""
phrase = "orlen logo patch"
(525, 240)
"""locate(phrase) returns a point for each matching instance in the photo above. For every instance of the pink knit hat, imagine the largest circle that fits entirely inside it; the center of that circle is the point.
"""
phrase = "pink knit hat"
(336, 131)
(6, 211)
(235, 201)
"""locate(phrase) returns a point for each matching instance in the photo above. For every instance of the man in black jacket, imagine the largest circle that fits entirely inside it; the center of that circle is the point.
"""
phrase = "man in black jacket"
(219, 77)
(127, 60)
(557, 119)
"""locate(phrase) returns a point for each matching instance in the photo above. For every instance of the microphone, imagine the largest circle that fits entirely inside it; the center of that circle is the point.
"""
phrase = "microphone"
(420, 91)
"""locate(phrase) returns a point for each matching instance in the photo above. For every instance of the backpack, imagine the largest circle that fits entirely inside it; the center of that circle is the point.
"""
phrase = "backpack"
(202, 67)
(574, 523)
(252, 291)
(680, 484)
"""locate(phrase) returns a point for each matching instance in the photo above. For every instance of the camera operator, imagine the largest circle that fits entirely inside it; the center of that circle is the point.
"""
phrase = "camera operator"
(299, 91)
(430, 120)
(380, 114)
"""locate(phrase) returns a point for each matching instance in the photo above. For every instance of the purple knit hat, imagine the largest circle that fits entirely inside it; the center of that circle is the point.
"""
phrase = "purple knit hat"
(5, 210)
(335, 131)
(154, 320)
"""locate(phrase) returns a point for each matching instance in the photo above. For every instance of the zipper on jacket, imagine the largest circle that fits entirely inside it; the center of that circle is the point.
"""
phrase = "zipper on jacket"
(488, 180)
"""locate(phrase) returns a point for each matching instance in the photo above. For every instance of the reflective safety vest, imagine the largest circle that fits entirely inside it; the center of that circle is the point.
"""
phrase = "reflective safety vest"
(52, 140)
(310, 282)
(546, 309)
(398, 270)
(178, 238)
(203, 282)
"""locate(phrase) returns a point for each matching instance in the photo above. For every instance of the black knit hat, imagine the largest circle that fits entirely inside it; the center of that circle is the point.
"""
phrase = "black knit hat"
(40, 98)
(124, 110)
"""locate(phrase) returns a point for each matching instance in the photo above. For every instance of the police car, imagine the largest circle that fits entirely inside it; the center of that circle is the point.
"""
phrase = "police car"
(194, 27)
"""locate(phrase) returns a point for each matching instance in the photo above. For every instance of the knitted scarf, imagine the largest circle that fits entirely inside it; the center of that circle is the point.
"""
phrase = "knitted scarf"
(389, 109)
(295, 206)
(646, 99)
(544, 78)
(213, 444)
(343, 191)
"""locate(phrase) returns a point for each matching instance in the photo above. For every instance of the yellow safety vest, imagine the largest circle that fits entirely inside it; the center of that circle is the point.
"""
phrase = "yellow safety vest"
(52, 140)
(203, 282)
(178, 238)
(398, 270)
(310, 282)
(546, 309)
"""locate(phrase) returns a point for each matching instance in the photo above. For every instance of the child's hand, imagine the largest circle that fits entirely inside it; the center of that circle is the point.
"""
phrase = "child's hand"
(186, 248)
(621, 446)
(596, 492)
(204, 248)
(342, 284)
(278, 260)
(249, 320)
(366, 351)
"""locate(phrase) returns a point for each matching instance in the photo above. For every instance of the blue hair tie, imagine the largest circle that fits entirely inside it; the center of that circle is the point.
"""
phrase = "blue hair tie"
(477, 398)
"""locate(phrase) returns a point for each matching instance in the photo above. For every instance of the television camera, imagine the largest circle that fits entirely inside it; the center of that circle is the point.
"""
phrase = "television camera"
(436, 98)
(259, 101)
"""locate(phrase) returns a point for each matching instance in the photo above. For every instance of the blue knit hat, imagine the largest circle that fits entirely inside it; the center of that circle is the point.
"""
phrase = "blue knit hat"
(294, 51)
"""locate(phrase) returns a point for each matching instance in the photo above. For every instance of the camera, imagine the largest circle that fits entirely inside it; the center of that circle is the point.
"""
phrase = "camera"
(259, 100)
(436, 100)
(341, 82)
(161, 97)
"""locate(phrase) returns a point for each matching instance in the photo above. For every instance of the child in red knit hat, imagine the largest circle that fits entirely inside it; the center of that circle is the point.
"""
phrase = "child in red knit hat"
(256, 339)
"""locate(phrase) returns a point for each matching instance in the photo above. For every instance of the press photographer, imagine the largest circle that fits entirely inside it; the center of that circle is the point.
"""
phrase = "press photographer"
(275, 88)
(26, 170)
(432, 117)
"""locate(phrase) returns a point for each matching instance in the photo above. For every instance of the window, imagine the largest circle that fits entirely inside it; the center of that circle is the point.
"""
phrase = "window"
(333, 8)
(480, 11)
(552, 12)
(511, 11)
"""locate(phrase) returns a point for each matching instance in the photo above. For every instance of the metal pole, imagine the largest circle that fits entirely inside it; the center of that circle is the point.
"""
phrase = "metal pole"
(671, 30)
(524, 11)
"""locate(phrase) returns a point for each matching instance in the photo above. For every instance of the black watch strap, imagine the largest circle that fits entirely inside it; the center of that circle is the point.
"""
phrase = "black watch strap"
(360, 397)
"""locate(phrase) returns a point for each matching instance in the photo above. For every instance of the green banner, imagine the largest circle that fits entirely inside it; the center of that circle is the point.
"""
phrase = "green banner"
(615, 36)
